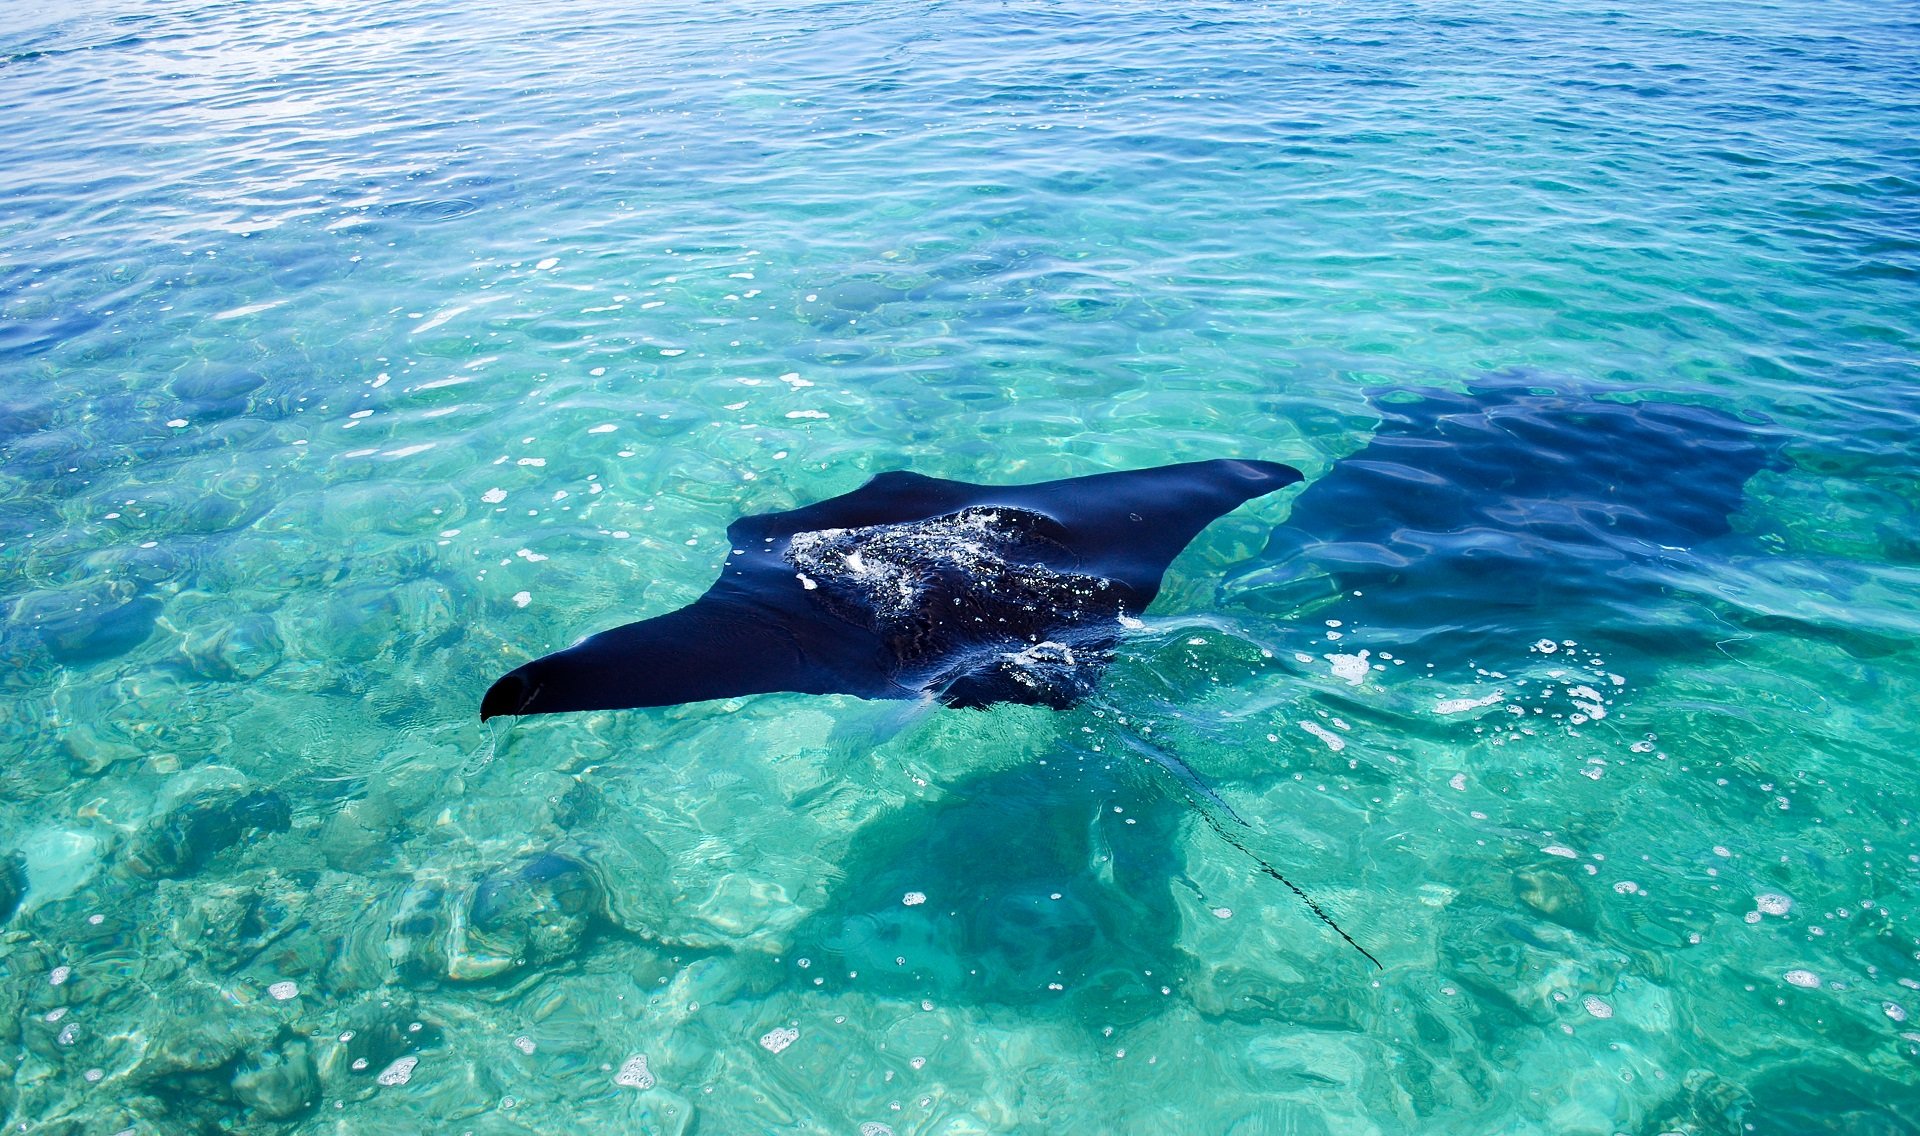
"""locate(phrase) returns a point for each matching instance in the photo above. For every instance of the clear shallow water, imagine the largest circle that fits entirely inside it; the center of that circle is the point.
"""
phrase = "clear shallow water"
(310, 315)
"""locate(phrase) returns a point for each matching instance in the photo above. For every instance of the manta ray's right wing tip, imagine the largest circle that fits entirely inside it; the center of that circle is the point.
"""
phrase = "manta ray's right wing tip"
(1271, 475)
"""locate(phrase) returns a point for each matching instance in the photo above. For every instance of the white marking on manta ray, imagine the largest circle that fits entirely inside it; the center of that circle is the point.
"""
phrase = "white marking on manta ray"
(892, 567)
(946, 587)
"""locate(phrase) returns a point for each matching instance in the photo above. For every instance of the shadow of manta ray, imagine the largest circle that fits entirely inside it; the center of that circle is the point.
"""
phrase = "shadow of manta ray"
(1025, 886)
(1519, 505)
(909, 587)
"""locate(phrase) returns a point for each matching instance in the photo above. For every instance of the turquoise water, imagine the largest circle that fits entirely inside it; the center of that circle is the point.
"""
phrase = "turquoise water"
(353, 354)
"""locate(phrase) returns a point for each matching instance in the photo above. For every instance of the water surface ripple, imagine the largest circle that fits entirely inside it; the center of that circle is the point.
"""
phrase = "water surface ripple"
(352, 354)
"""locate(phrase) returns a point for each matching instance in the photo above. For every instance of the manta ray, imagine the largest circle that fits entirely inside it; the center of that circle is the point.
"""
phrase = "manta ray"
(910, 587)
(915, 587)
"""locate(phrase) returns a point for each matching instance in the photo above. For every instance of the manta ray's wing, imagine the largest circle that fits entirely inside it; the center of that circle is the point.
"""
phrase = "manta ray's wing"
(765, 626)
(1125, 527)
(1128, 527)
(712, 648)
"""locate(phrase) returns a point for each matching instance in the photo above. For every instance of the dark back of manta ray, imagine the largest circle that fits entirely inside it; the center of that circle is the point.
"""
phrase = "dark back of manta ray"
(909, 586)
(1522, 506)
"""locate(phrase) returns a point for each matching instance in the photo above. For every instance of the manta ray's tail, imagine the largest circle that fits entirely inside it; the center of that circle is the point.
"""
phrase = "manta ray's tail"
(1320, 912)
(1205, 802)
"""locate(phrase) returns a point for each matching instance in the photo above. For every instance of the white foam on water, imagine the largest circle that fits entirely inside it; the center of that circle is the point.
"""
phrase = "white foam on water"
(778, 1038)
(248, 309)
(439, 384)
(1805, 979)
(400, 1072)
(634, 1073)
(439, 318)
(1597, 1006)
(1461, 705)
(1334, 741)
(284, 991)
(1352, 669)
